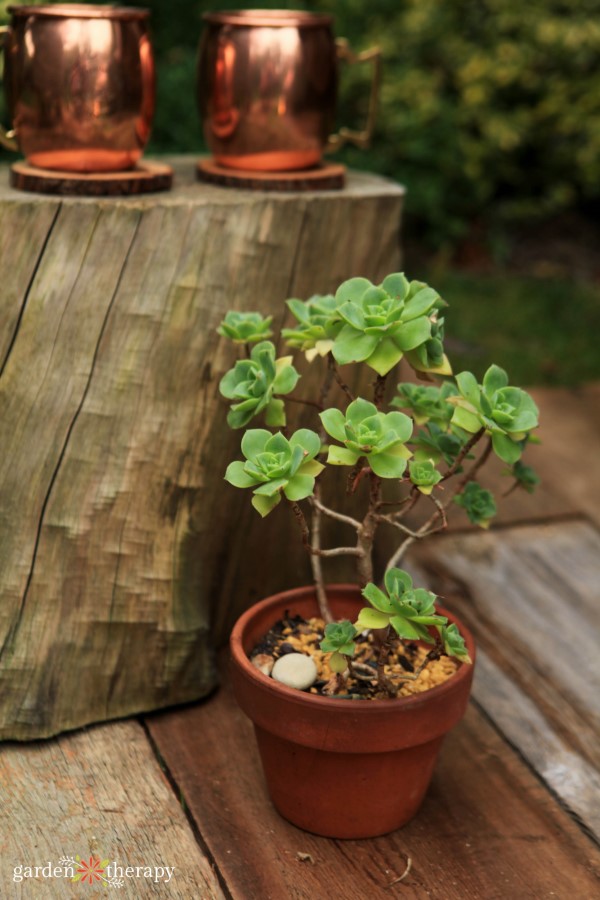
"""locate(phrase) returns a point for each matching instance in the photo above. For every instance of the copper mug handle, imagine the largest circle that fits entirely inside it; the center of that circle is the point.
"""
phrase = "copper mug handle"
(7, 138)
(362, 138)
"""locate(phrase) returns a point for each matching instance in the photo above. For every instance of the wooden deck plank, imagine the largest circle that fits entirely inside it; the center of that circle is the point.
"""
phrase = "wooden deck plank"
(97, 791)
(531, 594)
(571, 777)
(488, 828)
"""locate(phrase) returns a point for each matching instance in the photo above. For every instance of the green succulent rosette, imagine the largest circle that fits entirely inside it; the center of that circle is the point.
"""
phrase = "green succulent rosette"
(454, 643)
(245, 327)
(424, 475)
(410, 611)
(275, 465)
(478, 503)
(364, 431)
(382, 323)
(253, 383)
(339, 641)
(426, 402)
(506, 413)
(318, 325)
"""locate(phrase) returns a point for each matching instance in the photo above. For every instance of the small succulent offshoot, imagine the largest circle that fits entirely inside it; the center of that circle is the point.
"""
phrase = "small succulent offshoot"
(428, 444)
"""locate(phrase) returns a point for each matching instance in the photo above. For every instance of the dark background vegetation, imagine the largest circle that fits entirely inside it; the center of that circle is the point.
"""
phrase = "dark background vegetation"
(490, 115)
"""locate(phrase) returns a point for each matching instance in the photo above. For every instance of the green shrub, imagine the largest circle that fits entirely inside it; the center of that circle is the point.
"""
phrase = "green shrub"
(487, 108)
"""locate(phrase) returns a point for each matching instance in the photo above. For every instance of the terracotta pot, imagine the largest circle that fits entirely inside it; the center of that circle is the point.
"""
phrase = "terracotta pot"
(342, 768)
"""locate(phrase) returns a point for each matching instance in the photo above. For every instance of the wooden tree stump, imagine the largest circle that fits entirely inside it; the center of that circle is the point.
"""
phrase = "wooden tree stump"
(119, 539)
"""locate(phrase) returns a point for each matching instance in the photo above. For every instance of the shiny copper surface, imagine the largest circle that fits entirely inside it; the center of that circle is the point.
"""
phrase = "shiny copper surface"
(80, 85)
(267, 88)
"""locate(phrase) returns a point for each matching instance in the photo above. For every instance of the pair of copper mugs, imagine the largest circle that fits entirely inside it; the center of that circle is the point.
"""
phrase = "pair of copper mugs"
(80, 87)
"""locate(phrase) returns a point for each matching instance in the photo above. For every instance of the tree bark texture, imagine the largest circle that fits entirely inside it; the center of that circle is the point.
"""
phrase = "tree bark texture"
(120, 542)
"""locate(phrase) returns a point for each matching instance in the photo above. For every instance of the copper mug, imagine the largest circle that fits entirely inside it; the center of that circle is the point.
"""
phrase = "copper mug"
(267, 88)
(80, 87)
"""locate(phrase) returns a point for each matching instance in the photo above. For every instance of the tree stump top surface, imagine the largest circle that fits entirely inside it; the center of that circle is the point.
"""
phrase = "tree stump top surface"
(187, 190)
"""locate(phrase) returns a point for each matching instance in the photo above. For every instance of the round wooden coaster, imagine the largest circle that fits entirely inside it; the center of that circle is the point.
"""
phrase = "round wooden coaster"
(145, 178)
(326, 177)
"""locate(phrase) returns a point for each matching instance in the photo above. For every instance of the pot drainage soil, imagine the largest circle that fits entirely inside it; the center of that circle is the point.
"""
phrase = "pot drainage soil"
(297, 635)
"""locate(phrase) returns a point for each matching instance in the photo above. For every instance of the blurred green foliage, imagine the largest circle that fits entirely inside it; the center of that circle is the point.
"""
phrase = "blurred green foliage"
(542, 330)
(490, 109)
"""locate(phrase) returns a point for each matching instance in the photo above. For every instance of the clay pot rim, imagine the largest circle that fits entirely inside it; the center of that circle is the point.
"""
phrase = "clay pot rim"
(302, 698)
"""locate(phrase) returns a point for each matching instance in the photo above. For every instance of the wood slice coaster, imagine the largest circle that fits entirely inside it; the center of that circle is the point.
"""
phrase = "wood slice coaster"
(326, 177)
(147, 177)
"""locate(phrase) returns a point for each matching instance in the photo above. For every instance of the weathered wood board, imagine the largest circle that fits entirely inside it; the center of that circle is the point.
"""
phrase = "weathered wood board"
(118, 536)
(532, 596)
(488, 827)
(98, 793)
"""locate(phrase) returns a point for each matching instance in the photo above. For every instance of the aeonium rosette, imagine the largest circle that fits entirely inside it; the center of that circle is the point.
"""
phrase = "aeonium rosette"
(410, 612)
(275, 465)
(478, 503)
(245, 327)
(318, 325)
(428, 403)
(424, 475)
(253, 383)
(508, 414)
(384, 322)
(366, 432)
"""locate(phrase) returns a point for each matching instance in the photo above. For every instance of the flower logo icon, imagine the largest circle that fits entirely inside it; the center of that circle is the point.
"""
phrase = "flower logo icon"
(90, 871)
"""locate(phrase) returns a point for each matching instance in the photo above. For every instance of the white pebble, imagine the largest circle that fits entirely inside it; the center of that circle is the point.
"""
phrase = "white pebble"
(295, 670)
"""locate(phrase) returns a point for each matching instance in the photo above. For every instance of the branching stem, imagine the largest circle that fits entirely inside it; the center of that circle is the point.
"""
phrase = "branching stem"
(465, 450)
(338, 378)
(340, 517)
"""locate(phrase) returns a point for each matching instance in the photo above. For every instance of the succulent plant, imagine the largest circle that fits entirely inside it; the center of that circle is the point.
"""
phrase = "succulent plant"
(478, 503)
(408, 610)
(459, 422)
(245, 327)
(339, 641)
(382, 323)
(318, 325)
(276, 465)
(364, 431)
(253, 383)
(454, 643)
(506, 413)
(424, 475)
